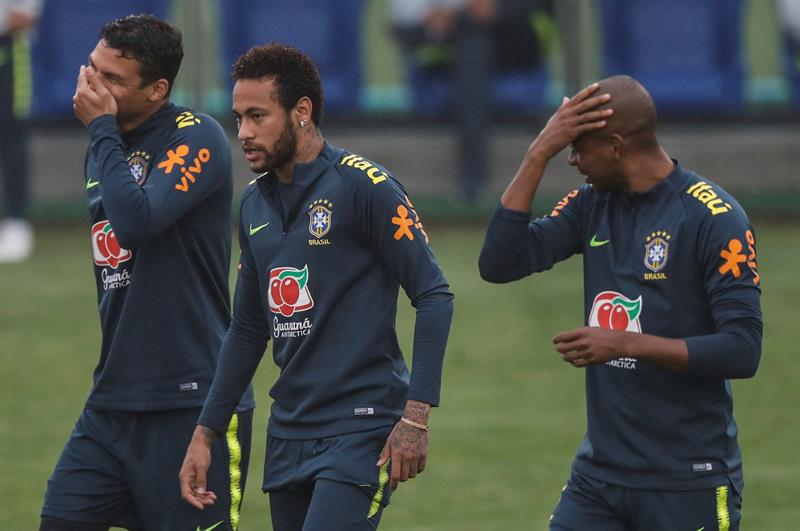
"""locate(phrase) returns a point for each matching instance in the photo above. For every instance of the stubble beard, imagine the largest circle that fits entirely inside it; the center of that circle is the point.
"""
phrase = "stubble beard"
(282, 153)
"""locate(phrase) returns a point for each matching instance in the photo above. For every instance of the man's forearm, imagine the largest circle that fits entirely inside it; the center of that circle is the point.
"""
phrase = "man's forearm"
(668, 353)
(522, 189)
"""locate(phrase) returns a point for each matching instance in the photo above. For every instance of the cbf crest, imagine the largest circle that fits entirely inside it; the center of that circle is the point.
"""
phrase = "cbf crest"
(656, 254)
(320, 220)
(138, 161)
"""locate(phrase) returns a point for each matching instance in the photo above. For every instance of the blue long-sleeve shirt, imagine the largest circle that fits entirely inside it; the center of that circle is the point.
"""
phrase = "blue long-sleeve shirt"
(159, 201)
(319, 274)
(678, 261)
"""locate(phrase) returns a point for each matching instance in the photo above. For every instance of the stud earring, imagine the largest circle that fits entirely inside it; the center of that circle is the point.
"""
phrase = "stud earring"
(302, 123)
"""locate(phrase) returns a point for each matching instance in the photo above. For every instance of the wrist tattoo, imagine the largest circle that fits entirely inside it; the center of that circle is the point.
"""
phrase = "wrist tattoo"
(417, 411)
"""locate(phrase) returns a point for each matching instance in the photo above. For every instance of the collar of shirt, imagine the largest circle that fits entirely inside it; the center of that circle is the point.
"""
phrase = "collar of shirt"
(143, 130)
(304, 175)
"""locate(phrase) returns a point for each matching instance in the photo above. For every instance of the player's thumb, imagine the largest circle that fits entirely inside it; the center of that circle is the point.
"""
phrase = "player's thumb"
(385, 454)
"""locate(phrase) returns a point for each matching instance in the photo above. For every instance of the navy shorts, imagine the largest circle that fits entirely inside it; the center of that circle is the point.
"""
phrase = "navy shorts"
(121, 468)
(328, 483)
(588, 503)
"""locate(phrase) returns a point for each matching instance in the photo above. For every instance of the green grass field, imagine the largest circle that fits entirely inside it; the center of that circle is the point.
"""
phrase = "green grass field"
(512, 413)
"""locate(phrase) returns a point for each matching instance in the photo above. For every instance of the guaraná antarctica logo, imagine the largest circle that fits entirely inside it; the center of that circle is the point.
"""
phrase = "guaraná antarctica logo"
(614, 311)
(105, 247)
(288, 291)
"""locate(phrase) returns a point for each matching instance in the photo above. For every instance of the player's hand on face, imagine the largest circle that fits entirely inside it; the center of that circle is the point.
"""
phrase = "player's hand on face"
(575, 116)
(91, 98)
(407, 447)
(193, 471)
(590, 345)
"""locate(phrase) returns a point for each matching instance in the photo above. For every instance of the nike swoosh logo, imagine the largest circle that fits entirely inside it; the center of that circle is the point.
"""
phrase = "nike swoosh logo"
(253, 229)
(91, 184)
(210, 528)
(595, 243)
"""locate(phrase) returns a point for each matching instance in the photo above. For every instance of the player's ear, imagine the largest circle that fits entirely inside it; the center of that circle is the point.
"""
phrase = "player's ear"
(159, 90)
(301, 113)
(616, 145)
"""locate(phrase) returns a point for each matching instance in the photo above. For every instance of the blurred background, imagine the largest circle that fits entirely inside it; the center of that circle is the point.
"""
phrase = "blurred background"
(447, 94)
(725, 75)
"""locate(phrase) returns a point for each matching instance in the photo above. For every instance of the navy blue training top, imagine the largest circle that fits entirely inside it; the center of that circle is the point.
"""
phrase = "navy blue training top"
(321, 279)
(678, 261)
(159, 200)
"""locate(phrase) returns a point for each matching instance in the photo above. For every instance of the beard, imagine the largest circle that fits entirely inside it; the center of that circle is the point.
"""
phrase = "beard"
(607, 187)
(282, 152)
(607, 183)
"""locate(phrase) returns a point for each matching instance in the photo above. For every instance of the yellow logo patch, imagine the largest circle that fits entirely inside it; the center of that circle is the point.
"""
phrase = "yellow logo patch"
(186, 119)
(703, 192)
(360, 163)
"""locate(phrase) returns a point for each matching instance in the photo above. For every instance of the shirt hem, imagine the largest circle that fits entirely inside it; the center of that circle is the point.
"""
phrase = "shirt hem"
(328, 429)
(649, 482)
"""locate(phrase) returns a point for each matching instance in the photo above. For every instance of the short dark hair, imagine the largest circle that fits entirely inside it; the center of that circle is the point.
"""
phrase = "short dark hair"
(293, 71)
(154, 43)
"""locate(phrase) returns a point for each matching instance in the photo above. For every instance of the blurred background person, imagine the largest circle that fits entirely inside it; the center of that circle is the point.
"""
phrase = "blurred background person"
(470, 39)
(789, 11)
(16, 18)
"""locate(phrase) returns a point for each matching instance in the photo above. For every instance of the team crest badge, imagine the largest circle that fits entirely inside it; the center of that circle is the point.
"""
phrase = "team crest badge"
(138, 162)
(320, 218)
(656, 250)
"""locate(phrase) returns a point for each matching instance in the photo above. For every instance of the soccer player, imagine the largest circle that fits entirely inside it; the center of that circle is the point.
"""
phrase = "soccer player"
(327, 238)
(159, 187)
(671, 306)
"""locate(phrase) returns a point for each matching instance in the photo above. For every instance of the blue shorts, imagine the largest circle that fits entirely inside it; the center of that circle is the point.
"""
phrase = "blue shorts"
(121, 468)
(588, 503)
(328, 483)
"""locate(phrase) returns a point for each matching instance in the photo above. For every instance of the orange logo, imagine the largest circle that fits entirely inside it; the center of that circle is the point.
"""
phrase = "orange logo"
(403, 223)
(733, 257)
(751, 258)
(564, 202)
(176, 157)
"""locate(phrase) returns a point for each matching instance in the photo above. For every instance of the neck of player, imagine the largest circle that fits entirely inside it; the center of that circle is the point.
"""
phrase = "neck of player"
(309, 146)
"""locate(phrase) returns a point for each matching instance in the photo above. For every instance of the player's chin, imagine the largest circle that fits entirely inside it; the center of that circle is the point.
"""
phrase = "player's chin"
(588, 180)
(258, 166)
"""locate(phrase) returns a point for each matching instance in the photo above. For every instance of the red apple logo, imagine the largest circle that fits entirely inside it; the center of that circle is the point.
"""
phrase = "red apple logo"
(105, 246)
(288, 291)
(614, 311)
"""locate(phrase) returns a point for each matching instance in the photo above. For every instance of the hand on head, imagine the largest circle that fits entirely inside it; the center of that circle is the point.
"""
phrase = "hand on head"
(575, 116)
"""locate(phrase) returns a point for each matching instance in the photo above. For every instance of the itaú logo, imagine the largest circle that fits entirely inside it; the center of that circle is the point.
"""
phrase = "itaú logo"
(614, 311)
(288, 291)
(105, 247)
